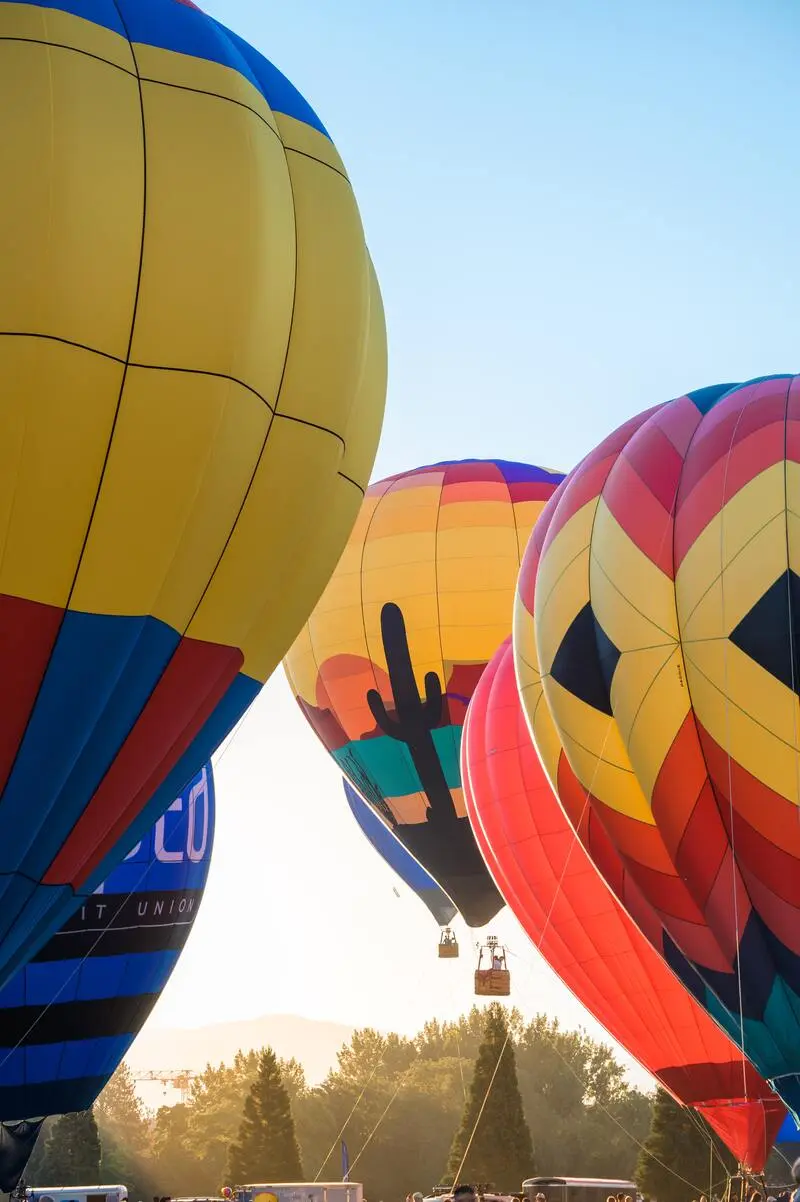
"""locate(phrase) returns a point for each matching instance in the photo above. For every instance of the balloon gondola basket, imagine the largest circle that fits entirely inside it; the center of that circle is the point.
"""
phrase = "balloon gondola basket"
(494, 980)
(448, 945)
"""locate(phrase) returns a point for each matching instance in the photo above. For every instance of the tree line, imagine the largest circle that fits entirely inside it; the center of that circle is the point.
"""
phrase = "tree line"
(489, 1098)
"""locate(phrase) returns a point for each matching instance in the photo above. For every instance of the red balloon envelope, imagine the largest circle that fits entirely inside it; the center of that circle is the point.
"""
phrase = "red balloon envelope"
(565, 907)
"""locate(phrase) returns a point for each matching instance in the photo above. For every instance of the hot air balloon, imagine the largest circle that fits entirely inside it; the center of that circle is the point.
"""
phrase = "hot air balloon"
(659, 609)
(389, 847)
(68, 1018)
(192, 376)
(387, 663)
(584, 934)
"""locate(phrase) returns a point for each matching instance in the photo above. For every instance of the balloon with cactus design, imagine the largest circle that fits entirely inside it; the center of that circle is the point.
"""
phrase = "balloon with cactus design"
(385, 667)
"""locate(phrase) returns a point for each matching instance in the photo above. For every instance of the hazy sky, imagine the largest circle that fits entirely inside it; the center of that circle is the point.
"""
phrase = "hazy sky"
(575, 210)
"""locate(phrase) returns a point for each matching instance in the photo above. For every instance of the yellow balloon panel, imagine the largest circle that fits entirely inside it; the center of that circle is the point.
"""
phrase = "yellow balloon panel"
(332, 297)
(312, 143)
(218, 265)
(446, 552)
(364, 422)
(202, 436)
(250, 578)
(72, 202)
(561, 584)
(651, 704)
(203, 76)
(57, 411)
(48, 26)
(636, 598)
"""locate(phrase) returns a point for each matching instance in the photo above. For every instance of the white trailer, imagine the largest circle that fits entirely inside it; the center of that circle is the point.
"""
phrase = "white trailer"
(77, 1193)
(302, 1191)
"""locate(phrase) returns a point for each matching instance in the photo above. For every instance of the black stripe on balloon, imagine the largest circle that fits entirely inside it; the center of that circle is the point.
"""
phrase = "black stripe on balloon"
(26, 1026)
(113, 925)
(50, 1097)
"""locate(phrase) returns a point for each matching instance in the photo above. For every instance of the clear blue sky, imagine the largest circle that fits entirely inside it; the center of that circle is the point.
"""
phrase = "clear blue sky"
(576, 209)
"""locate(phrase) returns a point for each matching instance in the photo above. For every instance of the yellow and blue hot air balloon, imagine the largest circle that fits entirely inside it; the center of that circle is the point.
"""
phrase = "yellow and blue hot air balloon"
(192, 376)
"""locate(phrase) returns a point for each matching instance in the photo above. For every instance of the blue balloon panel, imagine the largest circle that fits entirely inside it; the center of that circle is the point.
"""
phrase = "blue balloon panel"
(68, 1018)
(789, 1132)
(399, 858)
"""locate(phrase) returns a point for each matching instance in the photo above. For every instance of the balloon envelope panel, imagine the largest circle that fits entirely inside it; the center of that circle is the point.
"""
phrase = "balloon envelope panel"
(68, 1018)
(179, 231)
(386, 665)
(789, 1132)
(668, 662)
(389, 847)
(574, 920)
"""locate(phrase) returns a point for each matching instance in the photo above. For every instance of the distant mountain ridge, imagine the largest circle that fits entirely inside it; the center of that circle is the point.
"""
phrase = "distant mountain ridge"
(314, 1043)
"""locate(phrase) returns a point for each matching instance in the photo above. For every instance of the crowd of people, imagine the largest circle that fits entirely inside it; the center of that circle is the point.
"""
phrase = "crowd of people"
(476, 1193)
(472, 1193)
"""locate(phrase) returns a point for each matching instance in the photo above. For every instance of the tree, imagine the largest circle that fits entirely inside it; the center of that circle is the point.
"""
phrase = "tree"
(567, 1069)
(119, 1110)
(369, 1053)
(33, 1169)
(120, 1162)
(267, 1145)
(214, 1114)
(606, 1140)
(73, 1151)
(493, 1141)
(180, 1172)
(190, 1141)
(293, 1076)
(678, 1151)
(126, 1137)
(578, 1103)
(387, 1094)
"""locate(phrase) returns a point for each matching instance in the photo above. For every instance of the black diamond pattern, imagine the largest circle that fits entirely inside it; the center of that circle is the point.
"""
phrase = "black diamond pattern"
(770, 632)
(586, 660)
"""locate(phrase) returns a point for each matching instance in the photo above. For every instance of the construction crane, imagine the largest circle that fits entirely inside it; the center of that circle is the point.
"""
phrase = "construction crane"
(179, 1078)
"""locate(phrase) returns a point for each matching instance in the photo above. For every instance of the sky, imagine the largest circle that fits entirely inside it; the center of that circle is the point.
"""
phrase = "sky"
(575, 210)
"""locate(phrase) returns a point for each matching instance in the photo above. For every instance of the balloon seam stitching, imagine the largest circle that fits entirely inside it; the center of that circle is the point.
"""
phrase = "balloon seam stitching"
(74, 50)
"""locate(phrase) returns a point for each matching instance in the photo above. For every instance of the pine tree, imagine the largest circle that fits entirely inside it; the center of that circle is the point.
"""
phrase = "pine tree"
(501, 1152)
(678, 1151)
(266, 1149)
(73, 1151)
(120, 1113)
(125, 1136)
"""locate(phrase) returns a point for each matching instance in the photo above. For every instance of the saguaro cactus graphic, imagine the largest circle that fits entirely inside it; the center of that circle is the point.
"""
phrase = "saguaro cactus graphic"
(415, 718)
